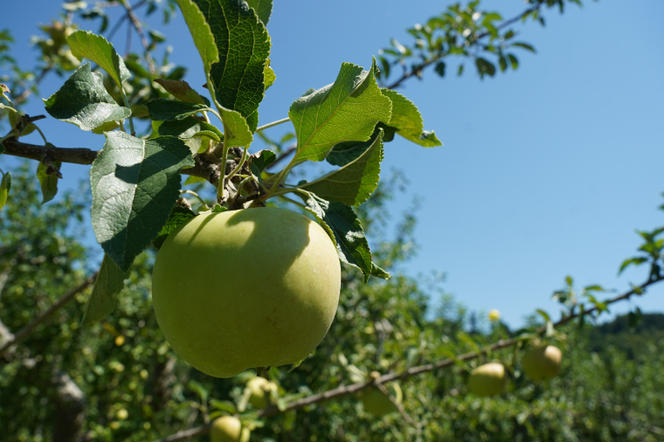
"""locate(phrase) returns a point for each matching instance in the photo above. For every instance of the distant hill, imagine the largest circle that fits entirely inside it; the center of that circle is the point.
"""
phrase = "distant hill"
(629, 333)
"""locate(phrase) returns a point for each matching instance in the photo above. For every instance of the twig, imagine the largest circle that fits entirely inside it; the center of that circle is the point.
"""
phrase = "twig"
(25, 331)
(136, 23)
(417, 69)
(346, 390)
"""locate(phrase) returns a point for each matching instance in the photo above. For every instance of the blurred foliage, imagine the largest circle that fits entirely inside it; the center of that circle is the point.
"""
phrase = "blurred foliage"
(133, 388)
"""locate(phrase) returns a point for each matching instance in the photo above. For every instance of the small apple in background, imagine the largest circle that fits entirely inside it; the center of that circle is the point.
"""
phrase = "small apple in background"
(488, 379)
(376, 403)
(260, 391)
(542, 362)
(228, 429)
(246, 288)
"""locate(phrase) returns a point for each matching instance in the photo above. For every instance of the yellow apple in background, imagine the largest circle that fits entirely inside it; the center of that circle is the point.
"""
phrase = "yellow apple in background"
(260, 390)
(542, 362)
(488, 379)
(246, 288)
(376, 403)
(228, 429)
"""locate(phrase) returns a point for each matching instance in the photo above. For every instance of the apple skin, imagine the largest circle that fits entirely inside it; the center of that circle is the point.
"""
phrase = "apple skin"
(488, 379)
(228, 429)
(260, 390)
(246, 288)
(376, 403)
(542, 362)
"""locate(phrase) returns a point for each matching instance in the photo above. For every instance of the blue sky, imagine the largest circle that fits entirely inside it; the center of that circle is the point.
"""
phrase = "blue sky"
(546, 171)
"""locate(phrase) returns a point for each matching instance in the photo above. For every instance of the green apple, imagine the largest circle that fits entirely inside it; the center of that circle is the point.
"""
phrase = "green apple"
(376, 403)
(488, 379)
(228, 429)
(246, 288)
(542, 362)
(260, 390)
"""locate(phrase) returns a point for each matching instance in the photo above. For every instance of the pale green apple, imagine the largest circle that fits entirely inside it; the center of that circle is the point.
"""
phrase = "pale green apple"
(228, 429)
(488, 379)
(542, 362)
(246, 288)
(376, 403)
(260, 390)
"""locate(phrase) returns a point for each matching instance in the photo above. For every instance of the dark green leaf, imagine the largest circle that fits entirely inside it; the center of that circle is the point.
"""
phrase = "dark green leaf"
(261, 160)
(84, 101)
(347, 110)
(485, 67)
(109, 282)
(440, 68)
(243, 45)
(354, 182)
(135, 184)
(346, 229)
(176, 220)
(84, 44)
(263, 9)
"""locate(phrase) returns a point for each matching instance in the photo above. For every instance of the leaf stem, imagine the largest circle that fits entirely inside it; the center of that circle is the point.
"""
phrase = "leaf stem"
(243, 159)
(222, 170)
(274, 123)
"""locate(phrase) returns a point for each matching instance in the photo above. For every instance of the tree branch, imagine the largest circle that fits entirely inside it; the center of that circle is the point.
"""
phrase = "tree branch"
(25, 331)
(346, 390)
(204, 167)
(417, 69)
(136, 23)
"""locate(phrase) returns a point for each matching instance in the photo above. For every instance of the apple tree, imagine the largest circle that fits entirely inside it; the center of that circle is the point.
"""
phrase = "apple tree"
(253, 253)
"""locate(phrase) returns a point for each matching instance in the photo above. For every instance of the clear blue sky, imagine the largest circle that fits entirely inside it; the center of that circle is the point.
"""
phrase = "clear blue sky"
(546, 171)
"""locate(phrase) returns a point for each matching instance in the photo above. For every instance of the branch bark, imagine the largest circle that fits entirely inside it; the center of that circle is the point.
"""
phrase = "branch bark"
(204, 167)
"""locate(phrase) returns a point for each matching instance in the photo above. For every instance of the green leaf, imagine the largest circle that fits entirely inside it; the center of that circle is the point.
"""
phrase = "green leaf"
(163, 109)
(243, 45)
(236, 129)
(347, 110)
(263, 9)
(48, 175)
(190, 127)
(636, 261)
(5, 186)
(109, 282)
(261, 160)
(135, 184)
(524, 45)
(485, 67)
(201, 33)
(407, 120)
(356, 181)
(269, 75)
(83, 101)
(176, 220)
(181, 90)
(85, 44)
(345, 228)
